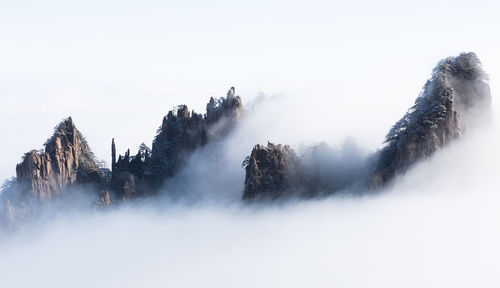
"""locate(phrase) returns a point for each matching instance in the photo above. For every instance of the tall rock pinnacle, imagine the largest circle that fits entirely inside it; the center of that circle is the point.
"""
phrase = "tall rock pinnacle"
(182, 131)
(67, 160)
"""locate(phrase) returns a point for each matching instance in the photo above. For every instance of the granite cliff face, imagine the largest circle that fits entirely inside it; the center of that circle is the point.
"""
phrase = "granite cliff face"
(181, 132)
(271, 172)
(57, 172)
(66, 161)
(456, 98)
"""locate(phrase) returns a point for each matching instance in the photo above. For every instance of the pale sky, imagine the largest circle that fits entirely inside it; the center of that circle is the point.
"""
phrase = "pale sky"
(350, 67)
(340, 68)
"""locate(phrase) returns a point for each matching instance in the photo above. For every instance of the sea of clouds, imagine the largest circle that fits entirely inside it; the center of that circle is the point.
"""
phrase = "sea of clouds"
(436, 226)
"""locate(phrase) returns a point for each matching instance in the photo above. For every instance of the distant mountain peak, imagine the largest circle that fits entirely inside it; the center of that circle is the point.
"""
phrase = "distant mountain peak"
(455, 98)
(66, 160)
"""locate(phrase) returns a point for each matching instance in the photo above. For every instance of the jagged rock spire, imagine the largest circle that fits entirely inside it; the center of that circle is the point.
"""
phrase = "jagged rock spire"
(67, 160)
(182, 131)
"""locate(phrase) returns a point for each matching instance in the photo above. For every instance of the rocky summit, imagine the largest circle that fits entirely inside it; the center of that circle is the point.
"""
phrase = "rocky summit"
(65, 162)
(455, 98)
(180, 134)
(270, 172)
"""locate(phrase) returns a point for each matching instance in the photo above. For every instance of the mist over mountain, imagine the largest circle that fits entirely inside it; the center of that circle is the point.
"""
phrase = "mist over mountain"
(205, 196)
(263, 143)
(180, 134)
(439, 222)
(456, 99)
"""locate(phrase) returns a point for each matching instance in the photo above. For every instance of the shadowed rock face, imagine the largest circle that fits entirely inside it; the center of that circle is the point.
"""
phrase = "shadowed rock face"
(456, 98)
(270, 172)
(67, 160)
(182, 131)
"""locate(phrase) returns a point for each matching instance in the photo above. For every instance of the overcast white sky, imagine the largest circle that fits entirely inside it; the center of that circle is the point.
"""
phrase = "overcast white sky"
(351, 67)
(341, 67)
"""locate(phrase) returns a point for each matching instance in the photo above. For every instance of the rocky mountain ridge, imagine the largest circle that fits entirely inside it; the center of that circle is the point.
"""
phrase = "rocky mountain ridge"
(180, 134)
(455, 98)
(67, 165)
(450, 104)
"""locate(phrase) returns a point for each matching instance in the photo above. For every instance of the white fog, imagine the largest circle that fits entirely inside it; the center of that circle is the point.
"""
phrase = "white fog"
(334, 73)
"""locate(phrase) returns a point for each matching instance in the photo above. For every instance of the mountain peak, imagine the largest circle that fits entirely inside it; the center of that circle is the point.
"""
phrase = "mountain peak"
(67, 160)
(456, 97)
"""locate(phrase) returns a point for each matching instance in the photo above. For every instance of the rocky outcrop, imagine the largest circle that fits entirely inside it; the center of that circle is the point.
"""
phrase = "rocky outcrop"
(456, 98)
(275, 171)
(67, 160)
(66, 163)
(182, 132)
(271, 172)
(222, 114)
(128, 170)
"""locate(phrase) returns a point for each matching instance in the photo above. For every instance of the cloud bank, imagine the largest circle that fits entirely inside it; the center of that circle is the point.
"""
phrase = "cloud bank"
(436, 226)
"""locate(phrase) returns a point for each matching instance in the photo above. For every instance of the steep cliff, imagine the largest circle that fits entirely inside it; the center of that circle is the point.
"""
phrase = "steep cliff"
(181, 132)
(271, 172)
(67, 160)
(457, 97)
